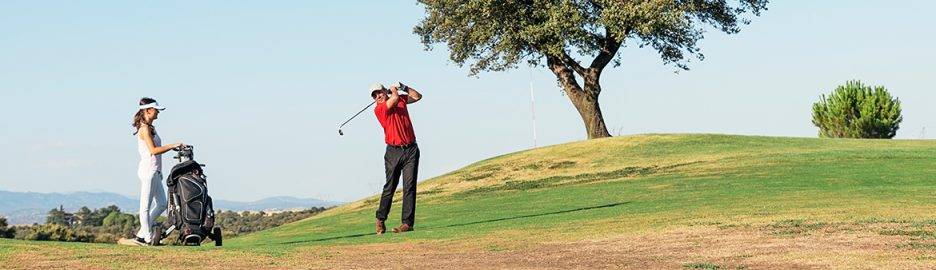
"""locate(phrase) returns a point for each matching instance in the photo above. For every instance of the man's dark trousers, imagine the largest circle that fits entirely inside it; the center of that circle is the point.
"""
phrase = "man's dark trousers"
(400, 161)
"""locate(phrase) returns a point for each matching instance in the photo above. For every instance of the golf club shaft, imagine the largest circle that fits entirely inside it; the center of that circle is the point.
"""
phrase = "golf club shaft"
(355, 115)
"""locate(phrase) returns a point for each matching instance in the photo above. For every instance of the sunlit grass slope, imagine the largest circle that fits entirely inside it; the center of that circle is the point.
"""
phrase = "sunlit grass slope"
(595, 189)
(627, 184)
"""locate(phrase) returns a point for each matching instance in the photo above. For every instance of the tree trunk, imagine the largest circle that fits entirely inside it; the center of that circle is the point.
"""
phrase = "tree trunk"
(585, 100)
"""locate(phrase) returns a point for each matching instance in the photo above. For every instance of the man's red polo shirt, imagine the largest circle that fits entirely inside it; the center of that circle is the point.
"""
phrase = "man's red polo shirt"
(398, 130)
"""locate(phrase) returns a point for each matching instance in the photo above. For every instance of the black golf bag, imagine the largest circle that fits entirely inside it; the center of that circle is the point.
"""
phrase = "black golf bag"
(190, 208)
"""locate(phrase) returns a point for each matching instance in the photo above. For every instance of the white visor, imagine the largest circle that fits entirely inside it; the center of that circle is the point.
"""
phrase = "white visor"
(153, 105)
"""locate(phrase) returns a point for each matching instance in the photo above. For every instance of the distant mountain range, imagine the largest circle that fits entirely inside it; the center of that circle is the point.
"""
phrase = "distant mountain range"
(29, 207)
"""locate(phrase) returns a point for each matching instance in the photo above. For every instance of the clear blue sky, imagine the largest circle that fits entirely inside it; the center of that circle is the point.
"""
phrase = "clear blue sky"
(259, 88)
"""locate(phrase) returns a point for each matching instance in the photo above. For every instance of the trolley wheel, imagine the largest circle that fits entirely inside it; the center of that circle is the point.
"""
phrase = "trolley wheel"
(157, 235)
(216, 235)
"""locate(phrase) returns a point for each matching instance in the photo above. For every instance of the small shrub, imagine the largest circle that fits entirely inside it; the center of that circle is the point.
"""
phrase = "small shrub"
(855, 110)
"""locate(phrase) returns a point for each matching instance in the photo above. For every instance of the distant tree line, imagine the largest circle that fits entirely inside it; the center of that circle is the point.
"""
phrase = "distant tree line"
(108, 224)
(234, 223)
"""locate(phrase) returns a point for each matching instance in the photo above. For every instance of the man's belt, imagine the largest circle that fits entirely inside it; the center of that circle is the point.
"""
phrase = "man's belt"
(405, 146)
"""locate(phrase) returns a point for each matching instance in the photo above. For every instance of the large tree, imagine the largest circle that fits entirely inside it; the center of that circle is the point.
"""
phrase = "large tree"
(497, 35)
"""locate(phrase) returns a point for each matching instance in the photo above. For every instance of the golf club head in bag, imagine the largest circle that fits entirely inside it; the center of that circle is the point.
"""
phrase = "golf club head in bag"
(184, 153)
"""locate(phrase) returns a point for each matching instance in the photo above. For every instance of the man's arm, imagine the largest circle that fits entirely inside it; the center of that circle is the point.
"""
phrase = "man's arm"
(413, 95)
(394, 97)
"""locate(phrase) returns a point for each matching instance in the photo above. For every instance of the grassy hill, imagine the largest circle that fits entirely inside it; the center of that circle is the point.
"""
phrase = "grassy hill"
(657, 201)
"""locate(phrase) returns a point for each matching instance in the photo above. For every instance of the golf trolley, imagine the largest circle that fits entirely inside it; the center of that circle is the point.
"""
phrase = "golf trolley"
(190, 209)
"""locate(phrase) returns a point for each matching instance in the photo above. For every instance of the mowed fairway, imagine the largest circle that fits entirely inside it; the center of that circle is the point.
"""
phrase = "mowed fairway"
(648, 201)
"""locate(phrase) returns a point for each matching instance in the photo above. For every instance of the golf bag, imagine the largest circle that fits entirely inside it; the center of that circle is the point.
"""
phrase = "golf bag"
(190, 208)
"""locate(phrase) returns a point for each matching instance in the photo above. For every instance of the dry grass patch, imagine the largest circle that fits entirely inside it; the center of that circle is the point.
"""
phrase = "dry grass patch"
(699, 247)
(705, 245)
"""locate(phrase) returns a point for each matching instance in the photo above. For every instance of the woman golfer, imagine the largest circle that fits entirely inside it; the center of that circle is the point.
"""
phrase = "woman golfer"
(150, 170)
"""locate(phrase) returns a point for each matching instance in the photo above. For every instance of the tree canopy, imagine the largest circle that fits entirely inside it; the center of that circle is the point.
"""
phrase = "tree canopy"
(490, 35)
(496, 35)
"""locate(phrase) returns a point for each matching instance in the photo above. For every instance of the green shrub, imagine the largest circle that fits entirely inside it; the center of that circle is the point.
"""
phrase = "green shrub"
(119, 219)
(53, 232)
(855, 110)
(5, 230)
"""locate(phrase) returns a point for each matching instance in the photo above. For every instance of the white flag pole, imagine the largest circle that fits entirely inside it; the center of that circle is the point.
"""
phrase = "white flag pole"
(533, 106)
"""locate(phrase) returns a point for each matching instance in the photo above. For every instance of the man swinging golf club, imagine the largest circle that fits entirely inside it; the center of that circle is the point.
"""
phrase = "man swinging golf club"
(402, 156)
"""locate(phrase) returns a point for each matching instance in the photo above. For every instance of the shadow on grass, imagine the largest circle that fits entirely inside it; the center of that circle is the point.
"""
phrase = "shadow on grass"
(466, 224)
(532, 215)
(326, 239)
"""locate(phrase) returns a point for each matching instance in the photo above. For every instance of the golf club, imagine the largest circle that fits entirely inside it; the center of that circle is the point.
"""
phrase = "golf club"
(340, 133)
